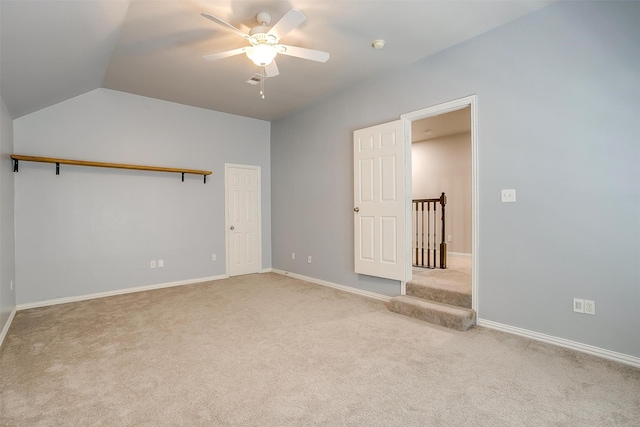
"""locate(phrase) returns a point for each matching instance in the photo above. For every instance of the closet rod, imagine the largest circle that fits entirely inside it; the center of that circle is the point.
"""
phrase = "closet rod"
(58, 162)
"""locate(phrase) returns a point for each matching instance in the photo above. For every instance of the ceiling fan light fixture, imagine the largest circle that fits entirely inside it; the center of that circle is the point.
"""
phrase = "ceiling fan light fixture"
(262, 54)
(265, 44)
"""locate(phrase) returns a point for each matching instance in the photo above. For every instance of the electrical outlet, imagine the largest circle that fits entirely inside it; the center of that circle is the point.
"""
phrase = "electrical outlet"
(12, 285)
(589, 307)
(309, 259)
(578, 305)
(153, 264)
(449, 238)
(214, 257)
(508, 195)
(161, 263)
(293, 255)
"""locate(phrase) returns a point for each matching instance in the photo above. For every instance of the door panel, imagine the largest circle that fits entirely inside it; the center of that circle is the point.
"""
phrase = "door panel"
(366, 180)
(379, 201)
(366, 240)
(243, 219)
(388, 233)
(388, 182)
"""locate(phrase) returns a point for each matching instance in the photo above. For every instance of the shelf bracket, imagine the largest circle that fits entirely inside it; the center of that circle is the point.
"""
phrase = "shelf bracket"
(15, 165)
(182, 176)
(57, 168)
(205, 178)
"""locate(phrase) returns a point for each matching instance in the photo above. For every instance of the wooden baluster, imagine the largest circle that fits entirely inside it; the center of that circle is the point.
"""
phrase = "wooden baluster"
(435, 229)
(443, 244)
(415, 205)
(429, 234)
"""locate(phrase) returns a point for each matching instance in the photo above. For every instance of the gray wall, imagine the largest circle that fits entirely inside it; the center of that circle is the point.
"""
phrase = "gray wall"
(7, 257)
(444, 165)
(559, 102)
(93, 230)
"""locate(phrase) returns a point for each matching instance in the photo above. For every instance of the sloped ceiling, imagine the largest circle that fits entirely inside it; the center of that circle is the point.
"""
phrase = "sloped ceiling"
(54, 50)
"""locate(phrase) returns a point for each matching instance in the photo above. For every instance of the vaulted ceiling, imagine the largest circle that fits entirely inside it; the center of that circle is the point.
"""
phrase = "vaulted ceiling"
(54, 50)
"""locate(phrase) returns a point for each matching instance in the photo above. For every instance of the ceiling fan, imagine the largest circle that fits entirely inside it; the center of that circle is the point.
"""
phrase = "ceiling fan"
(264, 43)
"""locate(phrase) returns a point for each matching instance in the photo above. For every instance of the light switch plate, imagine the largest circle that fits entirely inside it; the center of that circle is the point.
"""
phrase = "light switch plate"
(508, 195)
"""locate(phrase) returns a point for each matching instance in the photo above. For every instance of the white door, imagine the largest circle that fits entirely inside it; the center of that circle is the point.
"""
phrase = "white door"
(380, 201)
(243, 219)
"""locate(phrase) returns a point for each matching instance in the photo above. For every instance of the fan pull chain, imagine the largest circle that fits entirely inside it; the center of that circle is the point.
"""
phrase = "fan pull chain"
(264, 76)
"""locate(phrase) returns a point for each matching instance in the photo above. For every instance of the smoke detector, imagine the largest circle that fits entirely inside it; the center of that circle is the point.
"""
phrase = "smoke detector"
(378, 44)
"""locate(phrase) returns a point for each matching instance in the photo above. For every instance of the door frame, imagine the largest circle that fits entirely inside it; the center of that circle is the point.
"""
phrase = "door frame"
(436, 110)
(226, 212)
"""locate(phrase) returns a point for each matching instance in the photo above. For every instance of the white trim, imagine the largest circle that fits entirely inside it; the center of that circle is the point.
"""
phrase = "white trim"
(475, 205)
(65, 300)
(266, 270)
(573, 345)
(349, 289)
(461, 254)
(448, 107)
(408, 207)
(7, 325)
(226, 210)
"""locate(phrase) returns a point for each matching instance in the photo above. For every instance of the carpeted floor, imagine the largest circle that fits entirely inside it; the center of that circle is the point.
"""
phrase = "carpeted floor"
(270, 350)
(456, 277)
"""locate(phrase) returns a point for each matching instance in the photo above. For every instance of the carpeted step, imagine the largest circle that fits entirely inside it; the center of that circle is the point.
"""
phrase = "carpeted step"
(433, 292)
(459, 318)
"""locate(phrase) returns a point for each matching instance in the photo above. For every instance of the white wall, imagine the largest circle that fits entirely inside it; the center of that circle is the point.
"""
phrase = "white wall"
(7, 259)
(93, 230)
(444, 165)
(558, 100)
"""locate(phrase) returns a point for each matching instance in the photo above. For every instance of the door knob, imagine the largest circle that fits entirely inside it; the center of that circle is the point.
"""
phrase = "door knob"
(232, 227)
(356, 209)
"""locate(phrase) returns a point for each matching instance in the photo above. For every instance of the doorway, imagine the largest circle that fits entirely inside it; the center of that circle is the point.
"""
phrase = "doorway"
(444, 160)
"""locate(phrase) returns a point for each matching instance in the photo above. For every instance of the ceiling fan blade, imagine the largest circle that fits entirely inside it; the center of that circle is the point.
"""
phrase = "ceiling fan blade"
(288, 22)
(301, 52)
(221, 22)
(226, 54)
(271, 70)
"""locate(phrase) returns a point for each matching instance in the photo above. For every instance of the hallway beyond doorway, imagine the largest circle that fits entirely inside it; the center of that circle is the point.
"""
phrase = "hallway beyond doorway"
(456, 277)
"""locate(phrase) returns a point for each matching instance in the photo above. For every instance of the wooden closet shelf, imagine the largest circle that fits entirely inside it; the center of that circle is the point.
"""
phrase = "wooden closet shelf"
(58, 162)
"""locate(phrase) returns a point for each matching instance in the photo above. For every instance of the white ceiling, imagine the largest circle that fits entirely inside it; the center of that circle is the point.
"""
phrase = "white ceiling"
(54, 50)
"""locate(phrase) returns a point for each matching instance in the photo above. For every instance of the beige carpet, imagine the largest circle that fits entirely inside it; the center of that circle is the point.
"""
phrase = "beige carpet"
(456, 277)
(269, 350)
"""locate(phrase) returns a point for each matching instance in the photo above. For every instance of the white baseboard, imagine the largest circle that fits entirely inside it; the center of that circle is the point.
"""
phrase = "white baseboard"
(266, 270)
(350, 289)
(7, 325)
(65, 300)
(573, 345)
(464, 254)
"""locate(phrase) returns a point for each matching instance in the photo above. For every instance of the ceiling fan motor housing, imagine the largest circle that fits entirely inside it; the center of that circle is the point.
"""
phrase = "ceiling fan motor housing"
(263, 18)
(259, 36)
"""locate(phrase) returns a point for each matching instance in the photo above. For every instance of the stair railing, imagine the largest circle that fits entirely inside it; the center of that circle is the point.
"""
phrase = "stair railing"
(425, 229)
